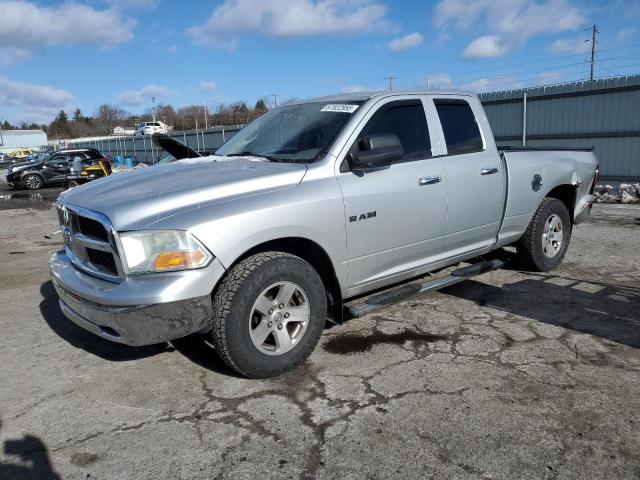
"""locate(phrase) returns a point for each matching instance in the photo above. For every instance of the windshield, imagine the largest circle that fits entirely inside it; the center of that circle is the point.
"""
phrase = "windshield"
(294, 133)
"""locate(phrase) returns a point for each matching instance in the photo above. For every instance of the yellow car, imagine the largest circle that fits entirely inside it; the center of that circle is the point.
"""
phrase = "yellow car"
(22, 153)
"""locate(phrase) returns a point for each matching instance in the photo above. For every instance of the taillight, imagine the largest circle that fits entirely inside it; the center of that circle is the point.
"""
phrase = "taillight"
(595, 180)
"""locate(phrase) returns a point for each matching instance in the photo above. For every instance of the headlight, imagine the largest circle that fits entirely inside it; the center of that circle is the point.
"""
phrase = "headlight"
(149, 251)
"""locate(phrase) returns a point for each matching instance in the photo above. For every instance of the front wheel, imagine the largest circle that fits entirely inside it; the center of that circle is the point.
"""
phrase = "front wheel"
(269, 313)
(545, 242)
(32, 182)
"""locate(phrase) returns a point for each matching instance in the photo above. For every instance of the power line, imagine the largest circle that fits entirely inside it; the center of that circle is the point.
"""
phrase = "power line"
(498, 66)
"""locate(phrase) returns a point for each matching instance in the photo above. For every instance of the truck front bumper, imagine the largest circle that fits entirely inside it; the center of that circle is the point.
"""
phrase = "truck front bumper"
(135, 312)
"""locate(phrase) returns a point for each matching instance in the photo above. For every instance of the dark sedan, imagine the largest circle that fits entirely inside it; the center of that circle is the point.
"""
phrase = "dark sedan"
(54, 169)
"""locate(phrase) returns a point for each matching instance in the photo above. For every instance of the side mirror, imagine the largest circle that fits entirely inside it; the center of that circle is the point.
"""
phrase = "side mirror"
(376, 151)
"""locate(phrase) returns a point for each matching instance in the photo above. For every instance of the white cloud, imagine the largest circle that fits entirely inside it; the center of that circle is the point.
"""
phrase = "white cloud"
(487, 46)
(353, 89)
(569, 46)
(439, 81)
(36, 103)
(406, 42)
(26, 26)
(287, 18)
(145, 94)
(505, 24)
(626, 34)
(172, 49)
(207, 86)
(483, 85)
(133, 4)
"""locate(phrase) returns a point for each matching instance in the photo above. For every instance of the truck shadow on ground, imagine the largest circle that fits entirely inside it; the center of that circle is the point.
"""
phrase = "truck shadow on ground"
(32, 451)
(597, 308)
(194, 347)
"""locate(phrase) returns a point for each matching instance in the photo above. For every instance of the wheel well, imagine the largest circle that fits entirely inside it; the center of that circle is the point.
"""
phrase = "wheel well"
(567, 195)
(317, 258)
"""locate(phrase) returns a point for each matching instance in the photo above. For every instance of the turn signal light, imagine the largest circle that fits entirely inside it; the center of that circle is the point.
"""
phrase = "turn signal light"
(178, 260)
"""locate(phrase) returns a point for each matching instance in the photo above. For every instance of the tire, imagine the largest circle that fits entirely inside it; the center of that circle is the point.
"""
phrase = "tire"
(545, 242)
(73, 184)
(255, 285)
(33, 181)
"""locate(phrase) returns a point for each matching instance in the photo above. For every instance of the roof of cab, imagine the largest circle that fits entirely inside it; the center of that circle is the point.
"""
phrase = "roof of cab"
(364, 96)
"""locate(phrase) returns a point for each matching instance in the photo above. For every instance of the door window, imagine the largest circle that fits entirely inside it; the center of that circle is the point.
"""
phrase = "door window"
(407, 120)
(461, 132)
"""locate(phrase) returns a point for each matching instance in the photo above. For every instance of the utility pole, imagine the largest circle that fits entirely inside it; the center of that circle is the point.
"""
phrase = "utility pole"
(275, 100)
(594, 42)
(428, 83)
(206, 122)
(391, 79)
(153, 108)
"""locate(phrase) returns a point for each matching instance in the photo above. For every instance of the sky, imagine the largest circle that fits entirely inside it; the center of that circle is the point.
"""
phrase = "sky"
(79, 54)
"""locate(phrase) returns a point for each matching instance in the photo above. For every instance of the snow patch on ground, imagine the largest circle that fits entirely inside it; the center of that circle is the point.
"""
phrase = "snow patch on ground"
(117, 170)
(623, 193)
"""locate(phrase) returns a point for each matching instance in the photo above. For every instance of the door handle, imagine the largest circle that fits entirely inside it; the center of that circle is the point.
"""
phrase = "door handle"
(428, 181)
(488, 171)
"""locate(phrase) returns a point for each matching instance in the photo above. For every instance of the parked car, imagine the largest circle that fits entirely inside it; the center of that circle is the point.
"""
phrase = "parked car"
(149, 128)
(50, 170)
(21, 153)
(309, 206)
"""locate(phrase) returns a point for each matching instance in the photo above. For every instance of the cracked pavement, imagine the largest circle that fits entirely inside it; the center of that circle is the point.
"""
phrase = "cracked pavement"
(508, 375)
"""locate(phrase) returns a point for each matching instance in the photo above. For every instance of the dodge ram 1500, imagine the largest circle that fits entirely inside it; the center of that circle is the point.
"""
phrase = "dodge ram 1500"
(310, 205)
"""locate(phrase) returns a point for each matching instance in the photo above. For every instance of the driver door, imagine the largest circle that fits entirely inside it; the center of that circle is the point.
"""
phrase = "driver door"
(394, 215)
(57, 168)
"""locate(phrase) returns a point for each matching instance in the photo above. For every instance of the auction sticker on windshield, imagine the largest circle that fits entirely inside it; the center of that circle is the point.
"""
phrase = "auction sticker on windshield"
(339, 107)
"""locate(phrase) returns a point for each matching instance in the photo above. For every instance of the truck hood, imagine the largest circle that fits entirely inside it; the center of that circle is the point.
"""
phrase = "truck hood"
(137, 198)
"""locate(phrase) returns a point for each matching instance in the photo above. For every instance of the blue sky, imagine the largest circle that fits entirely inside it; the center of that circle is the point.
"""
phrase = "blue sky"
(66, 54)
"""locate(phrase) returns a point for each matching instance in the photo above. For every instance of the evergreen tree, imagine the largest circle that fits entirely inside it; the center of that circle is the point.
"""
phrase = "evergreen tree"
(261, 106)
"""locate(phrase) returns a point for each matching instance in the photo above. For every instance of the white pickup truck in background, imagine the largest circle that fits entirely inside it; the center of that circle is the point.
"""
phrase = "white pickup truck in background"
(310, 205)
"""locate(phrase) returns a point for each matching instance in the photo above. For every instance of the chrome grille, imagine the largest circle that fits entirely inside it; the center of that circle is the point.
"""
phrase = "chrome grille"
(89, 242)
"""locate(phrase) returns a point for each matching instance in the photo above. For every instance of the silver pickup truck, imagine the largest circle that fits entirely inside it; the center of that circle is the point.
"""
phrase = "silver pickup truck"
(312, 204)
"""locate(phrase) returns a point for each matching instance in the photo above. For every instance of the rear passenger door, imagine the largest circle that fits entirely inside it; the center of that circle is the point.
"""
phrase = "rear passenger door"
(474, 175)
(394, 215)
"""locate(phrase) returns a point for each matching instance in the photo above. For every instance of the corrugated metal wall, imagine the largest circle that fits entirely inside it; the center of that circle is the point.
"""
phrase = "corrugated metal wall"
(604, 114)
(143, 150)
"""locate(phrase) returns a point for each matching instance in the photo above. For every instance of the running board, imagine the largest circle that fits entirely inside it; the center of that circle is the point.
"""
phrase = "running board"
(383, 299)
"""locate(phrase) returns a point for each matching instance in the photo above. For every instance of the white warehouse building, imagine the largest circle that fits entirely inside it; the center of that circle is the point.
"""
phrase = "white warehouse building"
(11, 140)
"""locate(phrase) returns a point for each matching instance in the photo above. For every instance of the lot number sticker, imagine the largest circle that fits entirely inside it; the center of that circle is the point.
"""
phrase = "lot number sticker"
(340, 108)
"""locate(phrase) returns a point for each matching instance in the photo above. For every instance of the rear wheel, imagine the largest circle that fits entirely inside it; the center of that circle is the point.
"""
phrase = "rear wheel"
(269, 313)
(32, 182)
(545, 242)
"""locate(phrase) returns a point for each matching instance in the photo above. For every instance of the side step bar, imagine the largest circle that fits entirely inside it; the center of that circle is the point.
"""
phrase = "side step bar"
(383, 299)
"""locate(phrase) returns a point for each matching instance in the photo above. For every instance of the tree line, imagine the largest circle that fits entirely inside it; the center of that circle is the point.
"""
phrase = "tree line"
(106, 117)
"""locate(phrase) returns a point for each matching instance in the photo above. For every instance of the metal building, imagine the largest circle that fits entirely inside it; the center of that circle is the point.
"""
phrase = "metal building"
(604, 114)
(11, 140)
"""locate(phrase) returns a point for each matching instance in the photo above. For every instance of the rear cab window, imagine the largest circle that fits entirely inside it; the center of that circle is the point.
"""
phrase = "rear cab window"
(459, 125)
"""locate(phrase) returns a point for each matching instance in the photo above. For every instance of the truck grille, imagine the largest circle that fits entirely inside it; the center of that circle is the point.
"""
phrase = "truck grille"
(92, 228)
(89, 242)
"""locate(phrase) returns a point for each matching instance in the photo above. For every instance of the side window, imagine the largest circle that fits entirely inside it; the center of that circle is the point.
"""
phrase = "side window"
(58, 159)
(407, 120)
(461, 131)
